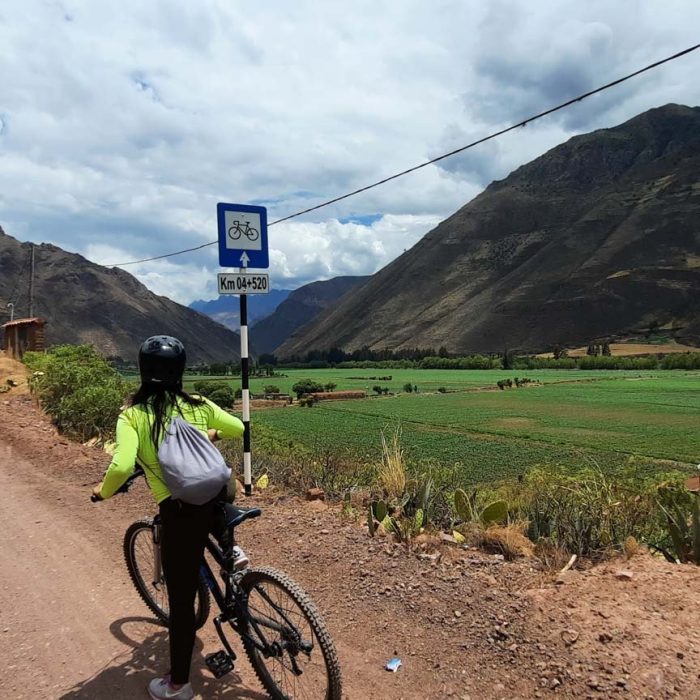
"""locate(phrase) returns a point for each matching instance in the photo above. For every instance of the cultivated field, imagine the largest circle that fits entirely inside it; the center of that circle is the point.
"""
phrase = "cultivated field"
(573, 418)
(427, 380)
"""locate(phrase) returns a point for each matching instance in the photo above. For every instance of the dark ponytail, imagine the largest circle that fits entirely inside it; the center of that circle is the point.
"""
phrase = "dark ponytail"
(161, 400)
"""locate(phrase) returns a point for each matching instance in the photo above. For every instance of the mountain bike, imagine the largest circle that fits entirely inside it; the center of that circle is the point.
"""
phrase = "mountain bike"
(236, 230)
(282, 632)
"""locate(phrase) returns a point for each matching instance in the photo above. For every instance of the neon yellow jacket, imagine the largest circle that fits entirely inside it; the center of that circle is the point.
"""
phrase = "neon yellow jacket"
(134, 442)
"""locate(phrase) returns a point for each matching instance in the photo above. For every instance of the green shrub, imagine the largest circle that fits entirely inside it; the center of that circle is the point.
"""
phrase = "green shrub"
(685, 360)
(306, 386)
(679, 515)
(587, 513)
(79, 389)
(223, 396)
(207, 388)
(271, 389)
(91, 411)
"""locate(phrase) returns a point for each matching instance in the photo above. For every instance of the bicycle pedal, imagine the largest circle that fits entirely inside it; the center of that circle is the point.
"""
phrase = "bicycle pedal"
(219, 663)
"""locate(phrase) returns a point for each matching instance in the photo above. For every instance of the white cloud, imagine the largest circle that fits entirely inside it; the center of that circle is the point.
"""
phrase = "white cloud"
(122, 125)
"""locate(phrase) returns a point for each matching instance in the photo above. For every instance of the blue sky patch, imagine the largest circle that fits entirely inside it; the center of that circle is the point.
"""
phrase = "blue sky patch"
(362, 219)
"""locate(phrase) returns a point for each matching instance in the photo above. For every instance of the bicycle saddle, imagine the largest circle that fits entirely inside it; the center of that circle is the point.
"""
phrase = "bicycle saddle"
(235, 515)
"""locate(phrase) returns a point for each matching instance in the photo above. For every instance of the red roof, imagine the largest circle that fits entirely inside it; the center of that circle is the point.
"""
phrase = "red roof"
(24, 322)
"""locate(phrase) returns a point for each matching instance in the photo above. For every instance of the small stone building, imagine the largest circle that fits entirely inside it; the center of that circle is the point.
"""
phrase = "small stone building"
(23, 334)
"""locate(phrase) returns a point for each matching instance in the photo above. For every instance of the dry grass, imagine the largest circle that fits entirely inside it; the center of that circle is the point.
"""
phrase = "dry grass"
(391, 474)
(508, 540)
(553, 556)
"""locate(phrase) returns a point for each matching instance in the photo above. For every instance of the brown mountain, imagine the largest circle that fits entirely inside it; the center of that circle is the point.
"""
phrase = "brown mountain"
(598, 237)
(300, 307)
(87, 303)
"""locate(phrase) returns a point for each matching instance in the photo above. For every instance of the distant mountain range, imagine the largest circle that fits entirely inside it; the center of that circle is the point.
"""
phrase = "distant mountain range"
(226, 309)
(597, 237)
(301, 307)
(87, 303)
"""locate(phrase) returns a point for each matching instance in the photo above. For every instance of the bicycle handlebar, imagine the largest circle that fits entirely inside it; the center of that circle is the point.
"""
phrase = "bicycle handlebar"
(124, 488)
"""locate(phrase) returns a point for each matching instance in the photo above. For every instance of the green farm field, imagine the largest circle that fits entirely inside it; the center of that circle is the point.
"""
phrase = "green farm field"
(572, 418)
(427, 380)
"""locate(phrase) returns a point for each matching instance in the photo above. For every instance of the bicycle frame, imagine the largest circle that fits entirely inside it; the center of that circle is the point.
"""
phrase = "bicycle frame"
(232, 602)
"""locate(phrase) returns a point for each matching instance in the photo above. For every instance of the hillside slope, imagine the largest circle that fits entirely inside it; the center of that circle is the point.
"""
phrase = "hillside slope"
(87, 303)
(598, 236)
(301, 307)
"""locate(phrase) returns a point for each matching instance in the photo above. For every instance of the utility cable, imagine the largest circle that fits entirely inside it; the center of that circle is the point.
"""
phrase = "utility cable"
(494, 135)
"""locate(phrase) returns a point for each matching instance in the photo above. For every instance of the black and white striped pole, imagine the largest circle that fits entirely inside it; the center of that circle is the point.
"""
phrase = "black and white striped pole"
(245, 393)
(243, 244)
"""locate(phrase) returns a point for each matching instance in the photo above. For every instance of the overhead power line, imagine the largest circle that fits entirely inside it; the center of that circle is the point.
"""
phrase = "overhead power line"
(449, 154)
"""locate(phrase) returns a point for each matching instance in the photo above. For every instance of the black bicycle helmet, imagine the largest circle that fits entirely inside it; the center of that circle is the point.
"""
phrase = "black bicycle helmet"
(162, 360)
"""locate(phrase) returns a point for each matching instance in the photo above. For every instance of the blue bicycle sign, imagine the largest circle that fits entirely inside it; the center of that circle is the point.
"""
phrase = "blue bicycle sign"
(242, 236)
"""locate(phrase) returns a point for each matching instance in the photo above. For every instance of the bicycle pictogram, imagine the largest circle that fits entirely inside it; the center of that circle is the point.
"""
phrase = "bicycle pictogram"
(238, 229)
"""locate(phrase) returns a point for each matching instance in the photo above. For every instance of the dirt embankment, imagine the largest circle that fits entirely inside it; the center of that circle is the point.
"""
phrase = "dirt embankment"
(465, 624)
(13, 375)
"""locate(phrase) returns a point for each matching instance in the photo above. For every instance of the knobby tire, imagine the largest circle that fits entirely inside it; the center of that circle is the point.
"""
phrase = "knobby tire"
(326, 648)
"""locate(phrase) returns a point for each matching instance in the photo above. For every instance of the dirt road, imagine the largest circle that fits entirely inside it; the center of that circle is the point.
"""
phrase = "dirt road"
(465, 624)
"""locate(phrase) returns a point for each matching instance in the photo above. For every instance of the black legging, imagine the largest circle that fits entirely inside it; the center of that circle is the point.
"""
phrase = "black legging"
(183, 535)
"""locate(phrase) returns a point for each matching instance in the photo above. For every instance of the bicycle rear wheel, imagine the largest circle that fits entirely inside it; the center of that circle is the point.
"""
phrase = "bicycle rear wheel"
(140, 555)
(304, 664)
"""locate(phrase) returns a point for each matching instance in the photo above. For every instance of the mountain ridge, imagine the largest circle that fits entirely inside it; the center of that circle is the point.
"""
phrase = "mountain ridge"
(84, 302)
(299, 309)
(590, 238)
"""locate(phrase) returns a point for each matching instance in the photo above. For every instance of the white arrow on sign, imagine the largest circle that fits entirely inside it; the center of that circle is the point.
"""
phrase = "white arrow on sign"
(244, 259)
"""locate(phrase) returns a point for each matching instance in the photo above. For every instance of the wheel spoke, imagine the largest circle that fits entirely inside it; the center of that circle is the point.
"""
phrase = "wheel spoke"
(288, 627)
(144, 561)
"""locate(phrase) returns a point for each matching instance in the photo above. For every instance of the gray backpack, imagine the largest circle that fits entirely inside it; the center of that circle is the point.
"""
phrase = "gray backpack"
(193, 469)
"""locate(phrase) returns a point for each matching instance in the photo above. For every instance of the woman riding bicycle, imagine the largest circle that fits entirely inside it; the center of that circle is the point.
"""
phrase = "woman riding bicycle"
(185, 527)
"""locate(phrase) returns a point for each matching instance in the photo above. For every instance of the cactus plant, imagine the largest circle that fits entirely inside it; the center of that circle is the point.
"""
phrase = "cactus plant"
(370, 522)
(466, 509)
(418, 519)
(462, 505)
(423, 494)
(381, 510)
(685, 538)
(495, 512)
(388, 524)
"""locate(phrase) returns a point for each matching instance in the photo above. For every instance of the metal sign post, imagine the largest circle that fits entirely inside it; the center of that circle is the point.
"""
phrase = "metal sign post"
(245, 395)
(242, 244)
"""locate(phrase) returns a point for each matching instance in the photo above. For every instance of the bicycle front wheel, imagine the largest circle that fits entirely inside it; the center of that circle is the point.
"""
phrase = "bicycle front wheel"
(142, 557)
(302, 661)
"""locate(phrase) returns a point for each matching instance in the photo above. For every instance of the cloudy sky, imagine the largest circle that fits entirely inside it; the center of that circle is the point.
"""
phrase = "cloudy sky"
(123, 124)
